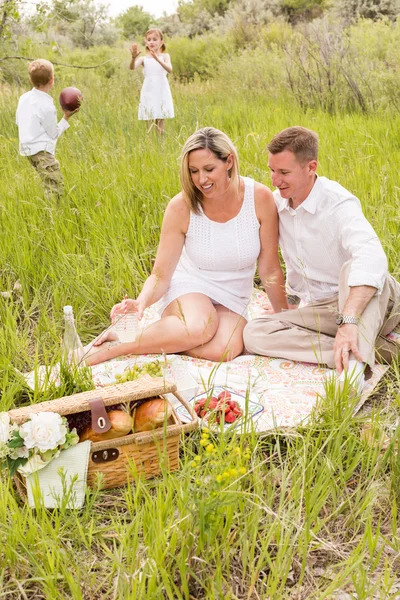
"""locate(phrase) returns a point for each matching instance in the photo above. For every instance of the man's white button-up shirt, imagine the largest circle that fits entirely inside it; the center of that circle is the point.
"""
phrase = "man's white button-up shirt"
(319, 236)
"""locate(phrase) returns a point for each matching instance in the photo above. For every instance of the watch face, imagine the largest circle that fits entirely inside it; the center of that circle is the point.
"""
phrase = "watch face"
(339, 320)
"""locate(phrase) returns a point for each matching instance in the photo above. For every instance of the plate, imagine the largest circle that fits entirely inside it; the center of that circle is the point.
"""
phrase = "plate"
(250, 409)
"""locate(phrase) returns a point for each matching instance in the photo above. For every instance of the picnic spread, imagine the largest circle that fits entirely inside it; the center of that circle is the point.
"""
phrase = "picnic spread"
(250, 392)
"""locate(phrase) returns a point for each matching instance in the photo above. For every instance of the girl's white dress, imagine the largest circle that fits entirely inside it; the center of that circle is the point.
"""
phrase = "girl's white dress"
(155, 97)
(219, 259)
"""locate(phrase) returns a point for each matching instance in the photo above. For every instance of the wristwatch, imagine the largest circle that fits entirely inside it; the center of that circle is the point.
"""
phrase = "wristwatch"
(293, 299)
(346, 320)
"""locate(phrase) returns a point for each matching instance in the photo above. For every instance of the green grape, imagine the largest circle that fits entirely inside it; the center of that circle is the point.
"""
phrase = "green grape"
(152, 368)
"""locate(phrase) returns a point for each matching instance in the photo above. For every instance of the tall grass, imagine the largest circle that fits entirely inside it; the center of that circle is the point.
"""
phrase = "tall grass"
(301, 514)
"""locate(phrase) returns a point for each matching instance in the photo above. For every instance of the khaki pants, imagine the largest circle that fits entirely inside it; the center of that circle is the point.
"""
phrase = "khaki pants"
(307, 334)
(48, 168)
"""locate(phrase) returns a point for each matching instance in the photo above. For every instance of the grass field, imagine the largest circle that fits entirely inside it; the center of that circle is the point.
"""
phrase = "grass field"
(311, 514)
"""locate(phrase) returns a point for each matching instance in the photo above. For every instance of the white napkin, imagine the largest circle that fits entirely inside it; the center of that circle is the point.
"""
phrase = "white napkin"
(52, 486)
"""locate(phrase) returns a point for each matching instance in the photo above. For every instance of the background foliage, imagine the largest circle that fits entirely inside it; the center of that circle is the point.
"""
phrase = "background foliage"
(309, 514)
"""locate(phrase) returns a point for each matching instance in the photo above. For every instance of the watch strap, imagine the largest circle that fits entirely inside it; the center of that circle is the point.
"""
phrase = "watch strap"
(349, 320)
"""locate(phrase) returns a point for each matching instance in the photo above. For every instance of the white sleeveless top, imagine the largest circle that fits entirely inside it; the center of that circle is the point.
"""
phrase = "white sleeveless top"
(219, 259)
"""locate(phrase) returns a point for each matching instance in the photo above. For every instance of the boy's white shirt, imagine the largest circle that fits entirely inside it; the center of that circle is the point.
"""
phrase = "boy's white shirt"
(37, 123)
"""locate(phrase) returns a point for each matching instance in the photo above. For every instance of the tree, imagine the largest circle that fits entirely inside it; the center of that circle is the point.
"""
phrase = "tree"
(9, 13)
(134, 22)
(303, 10)
(84, 20)
(189, 11)
(368, 9)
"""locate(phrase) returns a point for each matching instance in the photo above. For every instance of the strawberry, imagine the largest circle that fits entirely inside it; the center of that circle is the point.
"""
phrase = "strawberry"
(202, 402)
(236, 410)
(202, 413)
(213, 402)
(230, 417)
(225, 396)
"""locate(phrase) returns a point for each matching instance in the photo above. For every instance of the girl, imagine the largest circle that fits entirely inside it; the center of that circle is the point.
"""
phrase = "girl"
(155, 97)
(215, 231)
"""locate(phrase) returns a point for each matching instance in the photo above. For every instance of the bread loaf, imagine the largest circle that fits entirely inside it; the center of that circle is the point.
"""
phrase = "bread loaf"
(152, 414)
(121, 424)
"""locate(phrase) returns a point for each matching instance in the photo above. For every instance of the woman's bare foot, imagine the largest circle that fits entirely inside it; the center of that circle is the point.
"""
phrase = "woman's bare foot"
(103, 341)
(97, 354)
(109, 335)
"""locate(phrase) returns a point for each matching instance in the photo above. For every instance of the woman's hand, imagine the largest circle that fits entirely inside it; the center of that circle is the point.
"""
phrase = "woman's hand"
(126, 306)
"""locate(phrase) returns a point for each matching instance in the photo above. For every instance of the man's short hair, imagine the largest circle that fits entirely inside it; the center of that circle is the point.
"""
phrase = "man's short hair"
(299, 140)
(40, 72)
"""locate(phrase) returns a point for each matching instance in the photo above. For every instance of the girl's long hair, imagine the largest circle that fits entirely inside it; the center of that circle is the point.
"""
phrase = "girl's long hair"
(160, 35)
(219, 144)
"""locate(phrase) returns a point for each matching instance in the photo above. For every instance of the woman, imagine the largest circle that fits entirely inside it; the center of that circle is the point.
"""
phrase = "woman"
(214, 233)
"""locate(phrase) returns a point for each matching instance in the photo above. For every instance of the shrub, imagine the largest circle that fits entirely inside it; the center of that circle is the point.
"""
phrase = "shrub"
(198, 55)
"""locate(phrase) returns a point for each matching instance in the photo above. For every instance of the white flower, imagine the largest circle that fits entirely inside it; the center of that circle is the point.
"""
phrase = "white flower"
(4, 428)
(22, 452)
(45, 431)
(4, 451)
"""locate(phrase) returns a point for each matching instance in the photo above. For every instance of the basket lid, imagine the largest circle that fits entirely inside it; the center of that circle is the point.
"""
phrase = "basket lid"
(145, 387)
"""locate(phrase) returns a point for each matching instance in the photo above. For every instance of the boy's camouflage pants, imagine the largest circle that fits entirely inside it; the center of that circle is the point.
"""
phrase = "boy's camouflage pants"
(48, 168)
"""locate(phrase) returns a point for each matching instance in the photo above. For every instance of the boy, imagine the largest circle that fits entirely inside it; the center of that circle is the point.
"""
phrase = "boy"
(38, 129)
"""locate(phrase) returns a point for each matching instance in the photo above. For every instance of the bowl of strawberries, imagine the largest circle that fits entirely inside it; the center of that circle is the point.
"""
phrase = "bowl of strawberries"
(222, 408)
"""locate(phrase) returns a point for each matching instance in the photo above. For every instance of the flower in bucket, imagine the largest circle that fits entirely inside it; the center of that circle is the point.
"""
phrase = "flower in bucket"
(32, 445)
(45, 431)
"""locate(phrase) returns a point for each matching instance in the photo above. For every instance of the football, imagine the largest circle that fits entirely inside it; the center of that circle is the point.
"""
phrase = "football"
(70, 98)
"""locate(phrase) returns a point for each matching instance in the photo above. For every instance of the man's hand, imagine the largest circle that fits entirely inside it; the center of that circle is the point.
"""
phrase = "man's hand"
(346, 342)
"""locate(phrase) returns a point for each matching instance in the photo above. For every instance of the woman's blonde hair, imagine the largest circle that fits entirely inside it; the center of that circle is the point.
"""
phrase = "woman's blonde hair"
(160, 35)
(219, 144)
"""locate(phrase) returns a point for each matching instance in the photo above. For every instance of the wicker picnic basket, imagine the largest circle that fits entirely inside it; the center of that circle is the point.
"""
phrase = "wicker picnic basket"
(119, 459)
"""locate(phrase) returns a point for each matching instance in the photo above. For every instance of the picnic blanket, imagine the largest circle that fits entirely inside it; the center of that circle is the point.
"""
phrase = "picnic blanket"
(288, 390)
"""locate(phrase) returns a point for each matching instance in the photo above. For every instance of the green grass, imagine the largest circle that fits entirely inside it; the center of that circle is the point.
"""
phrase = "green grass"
(300, 515)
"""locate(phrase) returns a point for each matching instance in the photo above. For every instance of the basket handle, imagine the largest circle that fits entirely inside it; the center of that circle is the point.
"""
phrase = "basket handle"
(195, 420)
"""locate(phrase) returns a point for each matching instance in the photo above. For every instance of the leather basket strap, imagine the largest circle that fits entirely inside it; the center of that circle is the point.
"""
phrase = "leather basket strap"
(100, 421)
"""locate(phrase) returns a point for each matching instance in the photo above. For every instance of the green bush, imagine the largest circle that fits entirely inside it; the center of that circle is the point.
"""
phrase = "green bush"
(199, 55)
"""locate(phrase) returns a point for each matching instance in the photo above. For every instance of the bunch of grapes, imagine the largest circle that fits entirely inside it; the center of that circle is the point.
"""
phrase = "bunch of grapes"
(152, 368)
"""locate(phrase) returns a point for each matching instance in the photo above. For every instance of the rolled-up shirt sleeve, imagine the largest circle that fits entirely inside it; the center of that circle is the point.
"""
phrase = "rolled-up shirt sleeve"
(369, 263)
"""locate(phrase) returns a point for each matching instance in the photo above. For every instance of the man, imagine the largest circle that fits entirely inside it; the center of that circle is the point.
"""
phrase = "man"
(335, 266)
